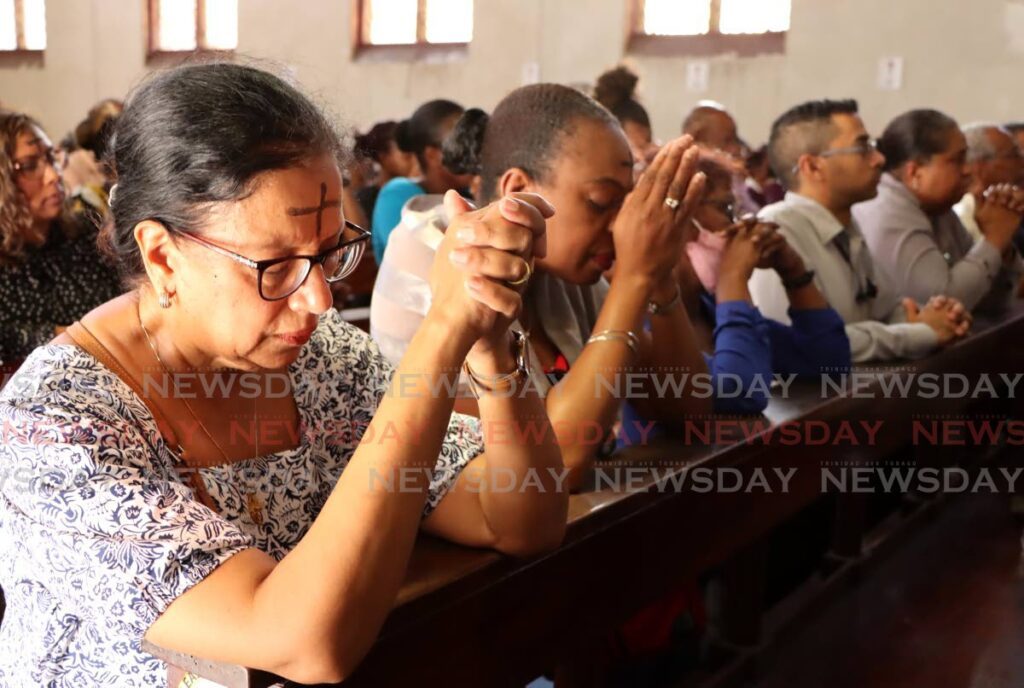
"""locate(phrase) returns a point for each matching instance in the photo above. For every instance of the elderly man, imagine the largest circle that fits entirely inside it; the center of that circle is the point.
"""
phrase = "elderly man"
(712, 127)
(993, 157)
(824, 156)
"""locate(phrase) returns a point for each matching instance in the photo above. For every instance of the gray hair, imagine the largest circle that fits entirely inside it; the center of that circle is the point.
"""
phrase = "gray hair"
(979, 144)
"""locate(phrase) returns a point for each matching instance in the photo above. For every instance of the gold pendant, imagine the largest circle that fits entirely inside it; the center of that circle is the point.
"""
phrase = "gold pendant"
(255, 506)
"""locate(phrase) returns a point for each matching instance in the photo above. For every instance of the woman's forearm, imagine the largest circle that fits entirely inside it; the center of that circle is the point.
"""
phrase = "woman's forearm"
(673, 350)
(521, 451)
(584, 404)
(313, 615)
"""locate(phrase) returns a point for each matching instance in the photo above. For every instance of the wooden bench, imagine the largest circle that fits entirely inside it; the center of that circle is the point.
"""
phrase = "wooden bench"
(468, 617)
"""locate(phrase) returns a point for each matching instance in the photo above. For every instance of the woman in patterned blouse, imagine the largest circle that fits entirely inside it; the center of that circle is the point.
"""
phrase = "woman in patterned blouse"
(51, 272)
(214, 514)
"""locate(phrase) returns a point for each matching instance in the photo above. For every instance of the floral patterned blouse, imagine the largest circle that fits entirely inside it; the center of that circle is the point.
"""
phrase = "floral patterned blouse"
(99, 531)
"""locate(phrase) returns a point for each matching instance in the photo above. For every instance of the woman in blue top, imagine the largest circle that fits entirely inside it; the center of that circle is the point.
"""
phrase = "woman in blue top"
(743, 349)
(427, 129)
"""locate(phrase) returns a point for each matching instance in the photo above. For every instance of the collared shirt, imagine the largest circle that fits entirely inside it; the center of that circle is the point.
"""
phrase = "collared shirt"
(924, 257)
(875, 326)
(965, 211)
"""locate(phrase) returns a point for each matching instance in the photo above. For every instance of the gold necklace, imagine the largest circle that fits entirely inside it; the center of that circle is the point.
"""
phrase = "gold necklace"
(254, 504)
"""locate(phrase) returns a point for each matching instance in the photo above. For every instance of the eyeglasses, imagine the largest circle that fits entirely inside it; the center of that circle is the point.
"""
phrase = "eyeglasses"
(279, 278)
(33, 167)
(864, 149)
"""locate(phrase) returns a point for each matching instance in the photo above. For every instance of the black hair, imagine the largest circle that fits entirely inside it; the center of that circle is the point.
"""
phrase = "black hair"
(375, 143)
(915, 135)
(615, 90)
(197, 135)
(1014, 127)
(525, 131)
(93, 133)
(804, 128)
(425, 128)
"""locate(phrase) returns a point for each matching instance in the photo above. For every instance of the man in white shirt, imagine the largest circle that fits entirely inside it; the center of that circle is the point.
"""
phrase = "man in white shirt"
(822, 153)
(992, 158)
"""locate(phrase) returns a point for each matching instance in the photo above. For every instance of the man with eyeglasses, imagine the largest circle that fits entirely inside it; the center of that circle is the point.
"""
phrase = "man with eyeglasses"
(824, 157)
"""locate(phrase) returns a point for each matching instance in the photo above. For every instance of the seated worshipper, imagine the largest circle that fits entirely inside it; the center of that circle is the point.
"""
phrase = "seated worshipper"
(993, 159)
(713, 128)
(737, 341)
(51, 272)
(910, 227)
(760, 188)
(86, 165)
(823, 155)
(616, 90)
(1016, 130)
(427, 129)
(585, 336)
(244, 525)
(389, 161)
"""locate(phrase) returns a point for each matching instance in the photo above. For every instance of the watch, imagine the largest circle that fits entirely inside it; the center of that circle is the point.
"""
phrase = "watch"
(508, 382)
(799, 281)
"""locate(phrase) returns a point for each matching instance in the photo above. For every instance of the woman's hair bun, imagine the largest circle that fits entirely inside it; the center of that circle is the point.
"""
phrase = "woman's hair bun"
(461, 153)
(615, 87)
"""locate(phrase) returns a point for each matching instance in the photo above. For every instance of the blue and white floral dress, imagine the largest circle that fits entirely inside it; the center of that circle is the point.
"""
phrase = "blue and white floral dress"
(99, 530)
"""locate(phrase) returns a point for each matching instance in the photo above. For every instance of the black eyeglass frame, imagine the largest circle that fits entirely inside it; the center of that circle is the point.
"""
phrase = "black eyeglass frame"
(261, 266)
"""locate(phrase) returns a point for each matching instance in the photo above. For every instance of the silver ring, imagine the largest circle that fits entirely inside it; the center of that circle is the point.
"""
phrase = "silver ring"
(672, 203)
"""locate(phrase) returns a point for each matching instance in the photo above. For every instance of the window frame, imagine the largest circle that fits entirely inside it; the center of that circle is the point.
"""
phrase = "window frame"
(361, 46)
(19, 34)
(702, 45)
(154, 52)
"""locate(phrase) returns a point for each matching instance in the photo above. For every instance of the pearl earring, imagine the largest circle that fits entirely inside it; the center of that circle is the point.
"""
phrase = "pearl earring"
(165, 300)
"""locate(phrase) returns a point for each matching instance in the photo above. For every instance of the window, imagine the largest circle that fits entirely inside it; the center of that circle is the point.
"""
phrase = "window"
(415, 22)
(189, 25)
(709, 26)
(22, 25)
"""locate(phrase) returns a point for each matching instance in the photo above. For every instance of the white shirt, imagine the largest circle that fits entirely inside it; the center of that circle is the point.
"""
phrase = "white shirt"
(965, 211)
(875, 326)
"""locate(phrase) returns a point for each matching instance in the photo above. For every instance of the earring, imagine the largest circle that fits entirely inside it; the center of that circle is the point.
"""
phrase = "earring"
(165, 300)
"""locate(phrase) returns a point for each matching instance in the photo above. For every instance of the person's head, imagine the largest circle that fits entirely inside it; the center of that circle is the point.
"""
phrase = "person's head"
(31, 191)
(560, 143)
(1016, 130)
(379, 145)
(758, 167)
(993, 157)
(711, 126)
(615, 90)
(821, 149)
(217, 158)
(926, 150)
(424, 135)
(93, 133)
(716, 211)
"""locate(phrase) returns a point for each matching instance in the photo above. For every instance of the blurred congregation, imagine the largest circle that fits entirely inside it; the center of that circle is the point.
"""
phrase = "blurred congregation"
(271, 340)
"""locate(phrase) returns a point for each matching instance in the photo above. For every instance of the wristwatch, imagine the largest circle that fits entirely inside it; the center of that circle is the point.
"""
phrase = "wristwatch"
(509, 382)
(799, 281)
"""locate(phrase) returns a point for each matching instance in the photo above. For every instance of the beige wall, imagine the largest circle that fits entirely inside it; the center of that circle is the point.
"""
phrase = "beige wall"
(962, 56)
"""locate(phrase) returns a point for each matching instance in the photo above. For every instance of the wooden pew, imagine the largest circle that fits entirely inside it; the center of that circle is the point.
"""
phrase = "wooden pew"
(469, 617)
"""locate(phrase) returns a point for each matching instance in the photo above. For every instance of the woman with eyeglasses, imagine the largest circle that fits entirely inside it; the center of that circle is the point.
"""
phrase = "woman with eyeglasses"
(215, 461)
(51, 271)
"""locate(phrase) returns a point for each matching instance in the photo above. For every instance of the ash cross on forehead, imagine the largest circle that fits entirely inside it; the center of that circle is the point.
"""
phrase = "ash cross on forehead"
(319, 209)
